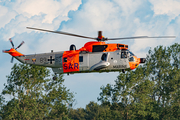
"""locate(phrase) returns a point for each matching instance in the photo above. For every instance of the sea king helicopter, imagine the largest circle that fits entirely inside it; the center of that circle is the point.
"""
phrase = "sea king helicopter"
(94, 56)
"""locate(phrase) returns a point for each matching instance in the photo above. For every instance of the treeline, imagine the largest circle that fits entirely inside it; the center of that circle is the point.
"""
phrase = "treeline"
(151, 92)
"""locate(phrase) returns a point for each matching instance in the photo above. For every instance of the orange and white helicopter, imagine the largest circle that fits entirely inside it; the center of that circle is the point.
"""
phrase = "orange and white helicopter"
(94, 56)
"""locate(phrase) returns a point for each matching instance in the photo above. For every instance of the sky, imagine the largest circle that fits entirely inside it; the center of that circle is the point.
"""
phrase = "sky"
(116, 18)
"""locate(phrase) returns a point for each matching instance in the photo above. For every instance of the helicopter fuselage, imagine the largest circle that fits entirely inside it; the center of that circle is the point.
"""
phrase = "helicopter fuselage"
(93, 57)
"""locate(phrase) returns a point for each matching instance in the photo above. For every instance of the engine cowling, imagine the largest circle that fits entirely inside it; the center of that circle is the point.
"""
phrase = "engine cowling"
(72, 47)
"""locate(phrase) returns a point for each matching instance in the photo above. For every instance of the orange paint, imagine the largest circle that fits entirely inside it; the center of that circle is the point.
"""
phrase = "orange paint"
(70, 61)
(13, 52)
(89, 45)
(110, 47)
(135, 63)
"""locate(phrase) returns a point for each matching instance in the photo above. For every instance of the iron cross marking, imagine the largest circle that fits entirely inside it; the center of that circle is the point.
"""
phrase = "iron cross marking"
(50, 59)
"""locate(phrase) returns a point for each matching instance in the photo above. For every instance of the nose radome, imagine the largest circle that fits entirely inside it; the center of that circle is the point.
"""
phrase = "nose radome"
(142, 60)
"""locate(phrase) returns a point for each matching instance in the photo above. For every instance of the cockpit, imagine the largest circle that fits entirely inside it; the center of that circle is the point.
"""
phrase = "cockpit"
(127, 54)
(124, 54)
(131, 58)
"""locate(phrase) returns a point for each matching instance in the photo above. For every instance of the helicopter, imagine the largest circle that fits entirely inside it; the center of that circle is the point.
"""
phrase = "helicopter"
(94, 56)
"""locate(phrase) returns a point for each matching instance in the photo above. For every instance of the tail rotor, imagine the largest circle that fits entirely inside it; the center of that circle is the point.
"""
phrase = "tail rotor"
(12, 59)
(11, 42)
(20, 45)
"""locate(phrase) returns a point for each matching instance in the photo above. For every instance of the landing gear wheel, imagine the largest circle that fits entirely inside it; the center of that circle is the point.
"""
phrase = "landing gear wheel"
(123, 70)
(54, 78)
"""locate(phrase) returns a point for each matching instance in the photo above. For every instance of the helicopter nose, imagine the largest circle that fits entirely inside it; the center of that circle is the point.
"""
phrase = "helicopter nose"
(142, 60)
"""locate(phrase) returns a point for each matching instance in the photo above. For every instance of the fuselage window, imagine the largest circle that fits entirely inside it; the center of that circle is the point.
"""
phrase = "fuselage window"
(121, 45)
(65, 59)
(80, 58)
(104, 57)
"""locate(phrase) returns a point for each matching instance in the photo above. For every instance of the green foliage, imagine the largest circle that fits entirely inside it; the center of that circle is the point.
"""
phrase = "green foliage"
(93, 111)
(77, 114)
(152, 91)
(33, 95)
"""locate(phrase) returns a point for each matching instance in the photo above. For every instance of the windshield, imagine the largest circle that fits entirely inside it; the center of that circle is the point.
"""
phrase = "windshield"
(131, 54)
(124, 54)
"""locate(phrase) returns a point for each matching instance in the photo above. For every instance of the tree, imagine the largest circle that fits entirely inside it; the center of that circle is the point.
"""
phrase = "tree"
(59, 99)
(77, 114)
(152, 90)
(34, 95)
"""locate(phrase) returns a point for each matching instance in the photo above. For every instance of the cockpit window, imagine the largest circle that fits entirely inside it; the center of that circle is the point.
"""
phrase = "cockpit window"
(124, 54)
(131, 54)
(131, 59)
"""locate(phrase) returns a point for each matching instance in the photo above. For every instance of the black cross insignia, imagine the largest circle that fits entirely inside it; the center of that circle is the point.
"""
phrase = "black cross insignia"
(50, 59)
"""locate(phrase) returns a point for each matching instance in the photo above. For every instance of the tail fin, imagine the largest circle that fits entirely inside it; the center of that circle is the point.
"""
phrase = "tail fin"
(13, 52)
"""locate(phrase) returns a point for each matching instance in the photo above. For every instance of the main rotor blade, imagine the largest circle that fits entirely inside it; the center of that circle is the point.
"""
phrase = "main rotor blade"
(11, 42)
(163, 37)
(127, 38)
(59, 32)
(139, 37)
(20, 45)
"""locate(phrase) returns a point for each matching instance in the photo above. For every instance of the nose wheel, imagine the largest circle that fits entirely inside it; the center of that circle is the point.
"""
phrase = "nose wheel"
(55, 77)
(123, 70)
